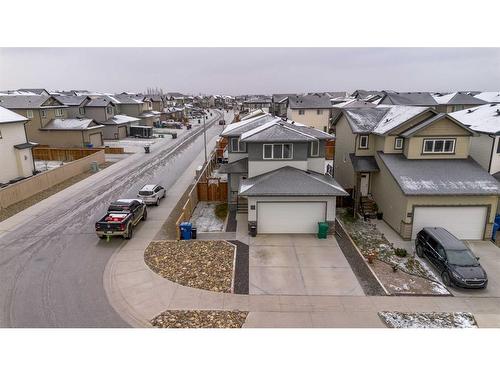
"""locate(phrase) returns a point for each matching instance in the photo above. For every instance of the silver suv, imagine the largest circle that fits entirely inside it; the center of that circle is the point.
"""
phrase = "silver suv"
(151, 194)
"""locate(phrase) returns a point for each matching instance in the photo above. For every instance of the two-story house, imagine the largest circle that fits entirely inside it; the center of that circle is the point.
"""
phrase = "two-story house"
(456, 101)
(415, 164)
(17, 159)
(49, 123)
(75, 105)
(137, 106)
(277, 170)
(311, 110)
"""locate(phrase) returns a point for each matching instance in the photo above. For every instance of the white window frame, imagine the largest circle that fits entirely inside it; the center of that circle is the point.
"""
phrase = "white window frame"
(273, 157)
(81, 110)
(434, 140)
(44, 113)
(315, 143)
(109, 110)
(29, 113)
(302, 112)
(361, 137)
(396, 146)
(242, 146)
(59, 112)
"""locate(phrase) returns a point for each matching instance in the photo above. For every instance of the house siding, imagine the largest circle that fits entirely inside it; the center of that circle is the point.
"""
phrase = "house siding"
(311, 118)
(343, 171)
(480, 151)
(15, 163)
(414, 148)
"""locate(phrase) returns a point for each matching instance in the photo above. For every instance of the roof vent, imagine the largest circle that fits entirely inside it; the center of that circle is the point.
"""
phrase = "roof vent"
(293, 122)
(498, 112)
(470, 111)
(492, 104)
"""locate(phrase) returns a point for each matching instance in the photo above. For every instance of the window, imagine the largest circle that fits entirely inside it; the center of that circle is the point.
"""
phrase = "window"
(498, 147)
(59, 112)
(109, 110)
(44, 113)
(398, 143)
(81, 110)
(302, 111)
(319, 111)
(314, 148)
(457, 108)
(236, 146)
(278, 151)
(363, 141)
(29, 113)
(439, 146)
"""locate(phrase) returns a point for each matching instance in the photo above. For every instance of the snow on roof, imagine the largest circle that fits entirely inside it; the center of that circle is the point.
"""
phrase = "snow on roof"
(7, 116)
(364, 120)
(238, 128)
(71, 124)
(484, 119)
(120, 119)
(396, 116)
(489, 96)
(458, 98)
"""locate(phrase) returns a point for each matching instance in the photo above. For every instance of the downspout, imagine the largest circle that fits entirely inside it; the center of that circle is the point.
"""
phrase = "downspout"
(492, 150)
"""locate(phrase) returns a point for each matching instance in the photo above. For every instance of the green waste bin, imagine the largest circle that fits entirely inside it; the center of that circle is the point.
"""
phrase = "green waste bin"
(322, 229)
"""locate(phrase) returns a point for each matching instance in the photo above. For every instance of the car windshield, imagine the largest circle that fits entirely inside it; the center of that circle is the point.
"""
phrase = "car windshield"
(461, 258)
(146, 192)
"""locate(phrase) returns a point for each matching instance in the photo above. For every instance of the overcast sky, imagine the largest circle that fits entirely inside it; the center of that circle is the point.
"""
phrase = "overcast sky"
(250, 70)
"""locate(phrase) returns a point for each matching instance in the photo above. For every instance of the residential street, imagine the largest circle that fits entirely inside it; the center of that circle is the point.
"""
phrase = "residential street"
(51, 261)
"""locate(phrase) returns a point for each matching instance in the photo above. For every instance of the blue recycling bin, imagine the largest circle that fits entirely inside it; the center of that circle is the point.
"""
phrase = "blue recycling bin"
(185, 228)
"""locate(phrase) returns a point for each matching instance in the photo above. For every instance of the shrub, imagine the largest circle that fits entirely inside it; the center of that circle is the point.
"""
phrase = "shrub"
(400, 252)
(221, 211)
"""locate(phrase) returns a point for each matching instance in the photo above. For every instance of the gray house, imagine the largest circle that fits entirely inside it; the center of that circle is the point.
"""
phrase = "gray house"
(276, 173)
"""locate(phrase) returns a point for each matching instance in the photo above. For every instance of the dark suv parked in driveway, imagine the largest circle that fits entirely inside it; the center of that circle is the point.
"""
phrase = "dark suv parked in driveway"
(455, 261)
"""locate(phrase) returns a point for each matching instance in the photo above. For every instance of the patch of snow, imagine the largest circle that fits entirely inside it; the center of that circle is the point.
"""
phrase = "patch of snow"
(47, 165)
(410, 183)
(204, 218)
(10, 116)
(395, 319)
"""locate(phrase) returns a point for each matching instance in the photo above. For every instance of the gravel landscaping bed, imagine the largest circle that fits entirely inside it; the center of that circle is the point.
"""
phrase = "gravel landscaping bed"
(204, 265)
(15, 208)
(241, 272)
(396, 319)
(200, 319)
(400, 272)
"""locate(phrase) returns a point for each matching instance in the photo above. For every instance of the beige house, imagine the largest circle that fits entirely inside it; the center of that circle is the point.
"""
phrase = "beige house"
(49, 123)
(311, 110)
(413, 166)
(17, 159)
(137, 106)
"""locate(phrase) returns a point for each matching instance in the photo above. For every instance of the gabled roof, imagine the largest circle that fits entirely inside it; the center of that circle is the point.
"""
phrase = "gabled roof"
(422, 125)
(238, 166)
(71, 124)
(275, 131)
(102, 101)
(456, 98)
(354, 103)
(489, 96)
(7, 116)
(238, 128)
(364, 120)
(127, 99)
(398, 115)
(309, 101)
(440, 176)
(364, 163)
(27, 101)
(120, 119)
(289, 181)
(408, 98)
(72, 100)
(483, 119)
(364, 94)
(36, 91)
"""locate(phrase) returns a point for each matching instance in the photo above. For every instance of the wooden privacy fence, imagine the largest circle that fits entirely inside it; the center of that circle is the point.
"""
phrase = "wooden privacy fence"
(70, 154)
(330, 150)
(212, 190)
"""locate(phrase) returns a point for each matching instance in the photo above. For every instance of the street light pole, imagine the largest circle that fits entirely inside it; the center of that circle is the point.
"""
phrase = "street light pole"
(205, 137)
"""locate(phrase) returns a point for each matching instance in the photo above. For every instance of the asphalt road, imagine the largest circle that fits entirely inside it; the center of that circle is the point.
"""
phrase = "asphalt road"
(51, 266)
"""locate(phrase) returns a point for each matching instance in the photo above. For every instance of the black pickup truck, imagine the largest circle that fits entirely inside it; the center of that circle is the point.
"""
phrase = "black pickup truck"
(122, 216)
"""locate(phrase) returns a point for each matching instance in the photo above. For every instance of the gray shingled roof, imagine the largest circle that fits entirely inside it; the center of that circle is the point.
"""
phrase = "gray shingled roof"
(309, 101)
(364, 163)
(25, 101)
(458, 98)
(238, 166)
(72, 100)
(440, 176)
(71, 124)
(409, 98)
(289, 181)
(238, 128)
(99, 102)
(120, 119)
(275, 132)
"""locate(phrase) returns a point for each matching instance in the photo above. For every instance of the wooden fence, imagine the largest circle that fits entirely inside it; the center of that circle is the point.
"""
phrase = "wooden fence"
(330, 150)
(70, 154)
(26, 188)
(212, 190)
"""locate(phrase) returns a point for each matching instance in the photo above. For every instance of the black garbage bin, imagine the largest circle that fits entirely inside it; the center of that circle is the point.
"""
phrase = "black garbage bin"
(253, 230)
(146, 149)
(174, 135)
(193, 233)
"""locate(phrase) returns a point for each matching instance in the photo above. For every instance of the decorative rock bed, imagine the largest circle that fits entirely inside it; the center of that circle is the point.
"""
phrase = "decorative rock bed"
(204, 265)
(200, 319)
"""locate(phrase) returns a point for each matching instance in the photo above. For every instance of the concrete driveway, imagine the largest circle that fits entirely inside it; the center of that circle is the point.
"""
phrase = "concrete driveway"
(300, 265)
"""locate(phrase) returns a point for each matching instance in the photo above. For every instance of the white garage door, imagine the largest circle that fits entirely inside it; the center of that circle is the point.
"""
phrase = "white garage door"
(95, 139)
(290, 217)
(466, 223)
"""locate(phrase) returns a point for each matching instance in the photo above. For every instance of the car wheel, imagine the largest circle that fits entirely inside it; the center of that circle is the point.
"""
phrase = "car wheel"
(130, 232)
(145, 214)
(420, 251)
(446, 278)
(157, 202)
(102, 237)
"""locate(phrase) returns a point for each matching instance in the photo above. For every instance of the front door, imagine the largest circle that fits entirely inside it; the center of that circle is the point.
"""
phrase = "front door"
(364, 184)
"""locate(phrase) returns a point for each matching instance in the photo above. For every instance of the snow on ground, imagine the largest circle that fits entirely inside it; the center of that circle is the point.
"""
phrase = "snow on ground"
(204, 218)
(47, 165)
(396, 319)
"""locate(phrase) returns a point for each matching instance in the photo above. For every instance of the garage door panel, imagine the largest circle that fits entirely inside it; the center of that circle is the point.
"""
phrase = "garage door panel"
(290, 217)
(464, 222)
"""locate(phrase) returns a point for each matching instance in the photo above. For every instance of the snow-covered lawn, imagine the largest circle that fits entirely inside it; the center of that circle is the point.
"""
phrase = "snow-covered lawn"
(396, 319)
(399, 274)
(47, 165)
(204, 218)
